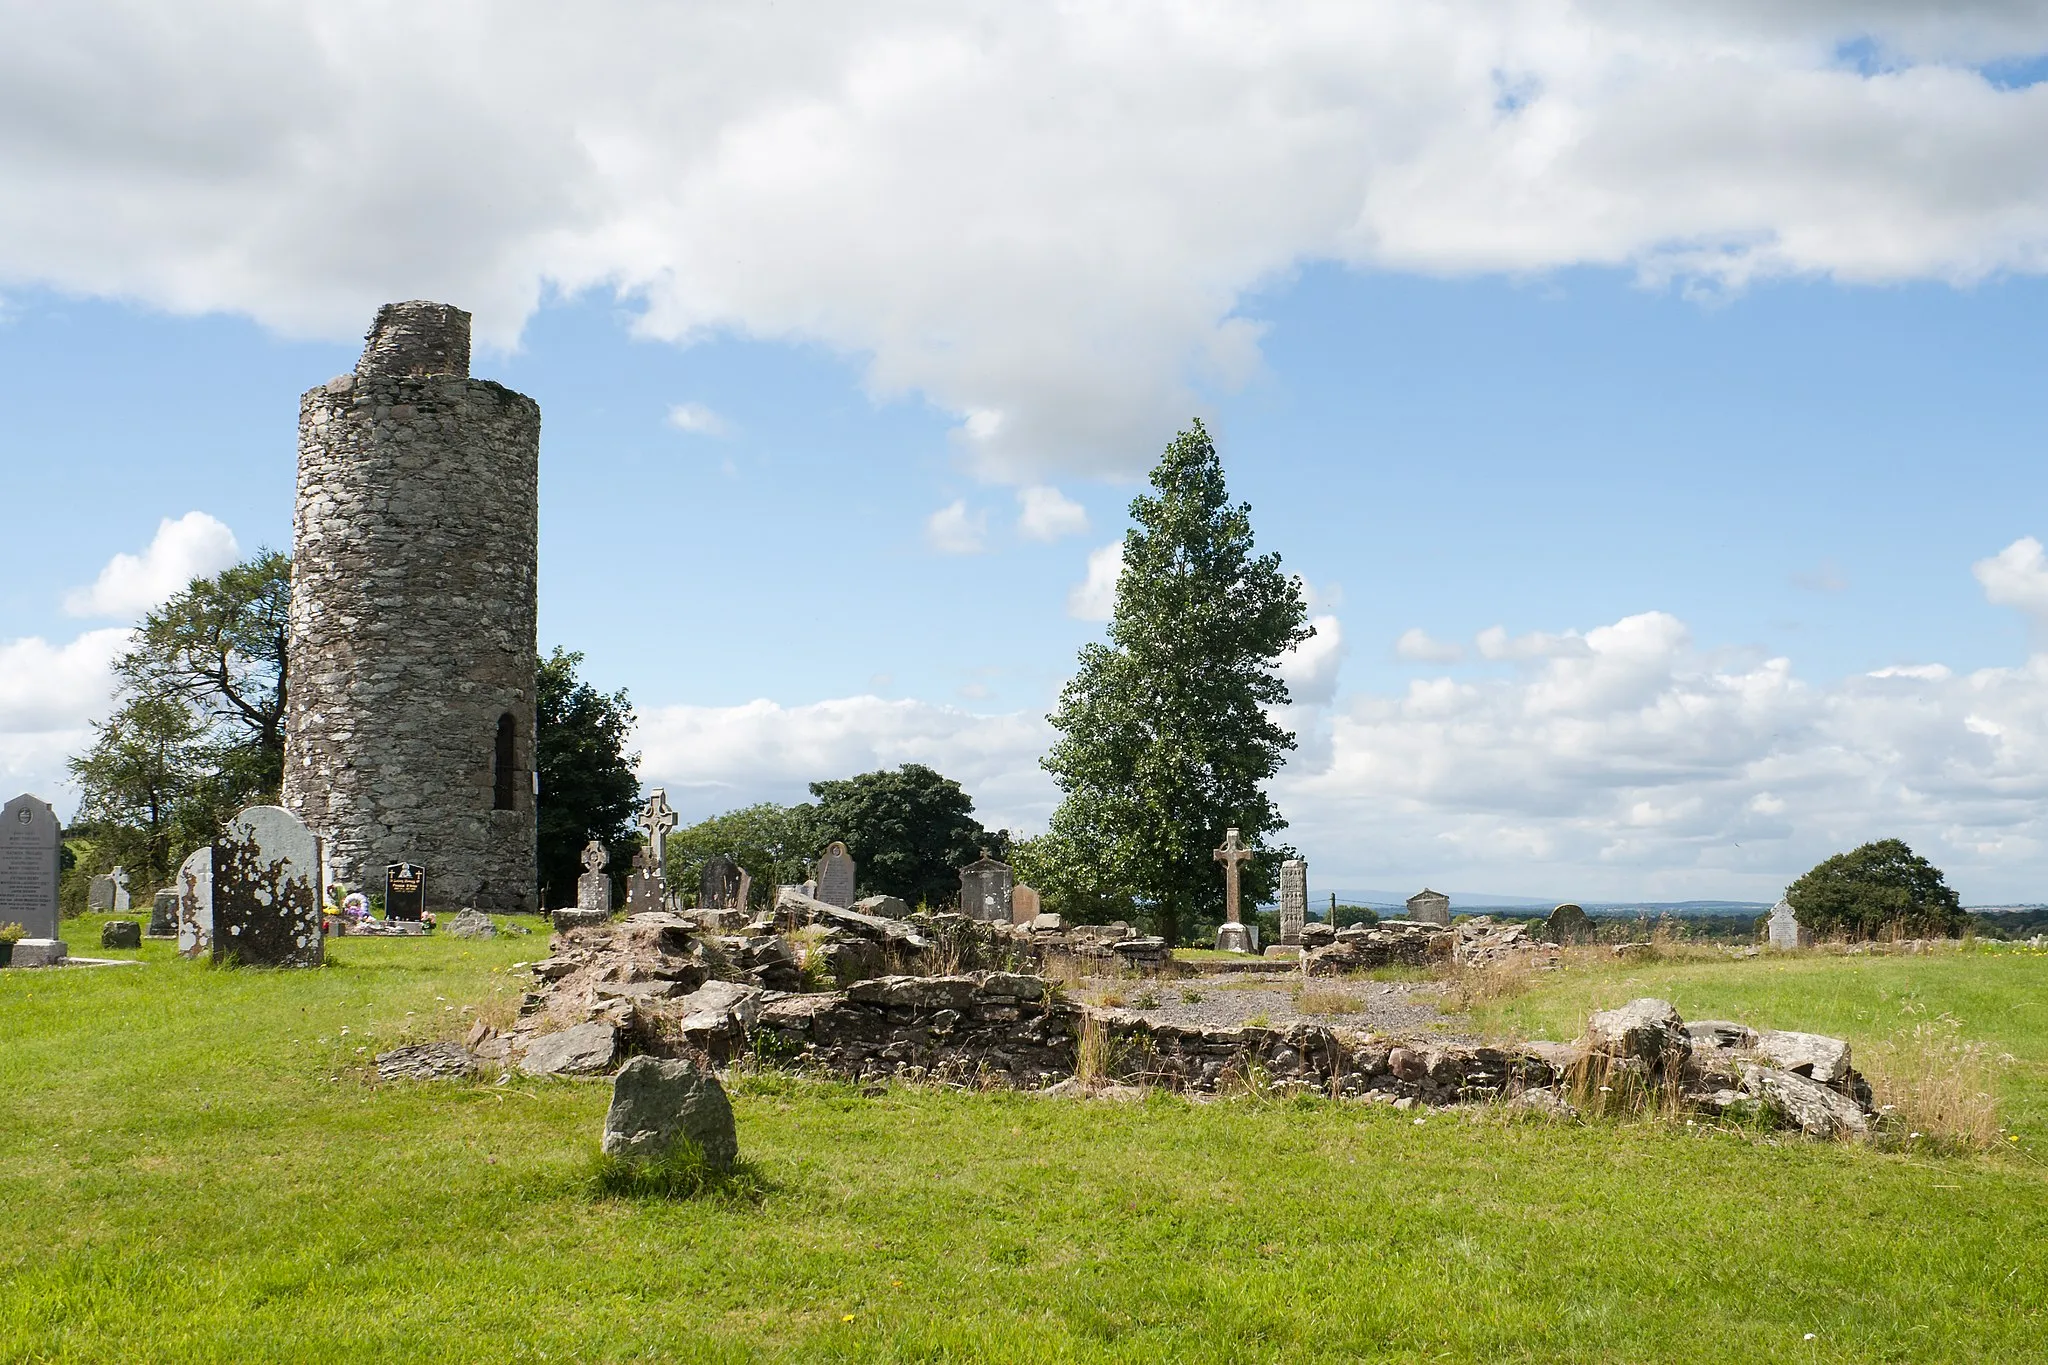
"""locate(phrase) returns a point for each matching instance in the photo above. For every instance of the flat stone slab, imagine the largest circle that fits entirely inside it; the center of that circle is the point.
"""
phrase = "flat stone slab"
(40, 952)
(584, 1050)
(426, 1062)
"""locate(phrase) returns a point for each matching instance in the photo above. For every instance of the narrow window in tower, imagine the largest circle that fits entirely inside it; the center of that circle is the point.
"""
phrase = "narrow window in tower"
(502, 766)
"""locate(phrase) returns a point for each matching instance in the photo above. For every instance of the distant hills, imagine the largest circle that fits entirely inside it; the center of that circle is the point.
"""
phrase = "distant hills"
(1464, 902)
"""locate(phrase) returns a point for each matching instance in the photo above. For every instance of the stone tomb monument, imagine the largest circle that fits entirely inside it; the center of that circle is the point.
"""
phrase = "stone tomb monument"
(594, 887)
(1234, 935)
(31, 841)
(266, 891)
(1784, 929)
(163, 914)
(985, 889)
(1293, 899)
(835, 876)
(1430, 907)
(194, 885)
(1024, 904)
(405, 891)
(723, 885)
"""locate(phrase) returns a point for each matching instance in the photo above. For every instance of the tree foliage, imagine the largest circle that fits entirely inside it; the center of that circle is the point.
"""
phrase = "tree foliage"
(1075, 887)
(1880, 890)
(1167, 731)
(588, 789)
(776, 844)
(910, 831)
(150, 788)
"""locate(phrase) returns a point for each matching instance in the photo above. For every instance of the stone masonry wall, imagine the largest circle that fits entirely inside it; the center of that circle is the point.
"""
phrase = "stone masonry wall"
(414, 549)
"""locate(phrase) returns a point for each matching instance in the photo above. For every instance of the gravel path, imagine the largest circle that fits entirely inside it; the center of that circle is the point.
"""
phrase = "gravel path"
(1392, 1008)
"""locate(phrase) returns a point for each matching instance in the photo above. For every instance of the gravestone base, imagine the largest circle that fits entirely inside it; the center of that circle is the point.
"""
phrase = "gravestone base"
(41, 952)
(1287, 952)
(1237, 938)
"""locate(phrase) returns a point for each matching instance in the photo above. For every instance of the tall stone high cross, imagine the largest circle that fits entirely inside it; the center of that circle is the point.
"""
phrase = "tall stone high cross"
(1233, 855)
(656, 820)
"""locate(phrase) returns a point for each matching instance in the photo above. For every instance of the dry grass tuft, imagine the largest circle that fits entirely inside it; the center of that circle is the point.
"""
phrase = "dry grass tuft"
(1467, 985)
(1935, 1086)
(1320, 998)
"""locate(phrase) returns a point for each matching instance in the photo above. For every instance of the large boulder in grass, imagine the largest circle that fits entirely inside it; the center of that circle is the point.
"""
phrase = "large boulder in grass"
(657, 1105)
(1807, 1105)
(1647, 1030)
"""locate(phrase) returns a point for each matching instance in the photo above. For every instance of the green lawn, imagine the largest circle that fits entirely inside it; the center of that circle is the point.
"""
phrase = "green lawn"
(194, 1165)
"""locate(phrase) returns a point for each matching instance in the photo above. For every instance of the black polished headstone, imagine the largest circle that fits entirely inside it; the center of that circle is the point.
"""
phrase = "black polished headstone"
(405, 891)
(719, 887)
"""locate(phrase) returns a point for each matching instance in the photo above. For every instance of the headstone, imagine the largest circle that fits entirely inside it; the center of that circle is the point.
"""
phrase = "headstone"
(719, 886)
(646, 890)
(985, 887)
(163, 914)
(1784, 927)
(1293, 899)
(1234, 936)
(594, 887)
(1430, 907)
(656, 820)
(194, 886)
(120, 933)
(266, 891)
(1568, 923)
(30, 848)
(99, 894)
(405, 891)
(1024, 904)
(122, 904)
(835, 876)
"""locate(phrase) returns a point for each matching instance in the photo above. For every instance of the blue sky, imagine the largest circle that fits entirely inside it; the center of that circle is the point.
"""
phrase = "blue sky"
(1664, 480)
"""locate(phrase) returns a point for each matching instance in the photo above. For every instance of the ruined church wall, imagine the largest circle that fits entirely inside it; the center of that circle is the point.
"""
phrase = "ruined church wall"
(415, 544)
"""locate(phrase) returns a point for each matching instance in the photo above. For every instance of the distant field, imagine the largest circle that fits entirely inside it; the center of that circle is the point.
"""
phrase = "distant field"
(195, 1166)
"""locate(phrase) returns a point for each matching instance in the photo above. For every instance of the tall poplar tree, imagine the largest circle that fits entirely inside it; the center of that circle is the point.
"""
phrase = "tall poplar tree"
(1167, 730)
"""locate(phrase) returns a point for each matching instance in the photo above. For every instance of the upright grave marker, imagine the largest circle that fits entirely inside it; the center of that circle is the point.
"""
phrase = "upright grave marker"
(31, 843)
(266, 891)
(1293, 899)
(835, 876)
(721, 885)
(405, 891)
(108, 892)
(1784, 927)
(194, 885)
(645, 888)
(985, 887)
(1024, 904)
(656, 820)
(1234, 935)
(594, 887)
(163, 914)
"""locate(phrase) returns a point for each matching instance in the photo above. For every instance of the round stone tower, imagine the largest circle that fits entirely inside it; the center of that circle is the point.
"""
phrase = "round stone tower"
(410, 696)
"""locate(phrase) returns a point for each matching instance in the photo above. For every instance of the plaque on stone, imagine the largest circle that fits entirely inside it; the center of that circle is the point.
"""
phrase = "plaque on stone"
(266, 891)
(594, 887)
(985, 886)
(718, 887)
(30, 849)
(1024, 904)
(405, 891)
(1293, 899)
(194, 885)
(835, 876)
(163, 914)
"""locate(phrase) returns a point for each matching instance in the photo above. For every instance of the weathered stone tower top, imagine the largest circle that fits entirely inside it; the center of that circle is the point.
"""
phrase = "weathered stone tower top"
(416, 340)
(410, 701)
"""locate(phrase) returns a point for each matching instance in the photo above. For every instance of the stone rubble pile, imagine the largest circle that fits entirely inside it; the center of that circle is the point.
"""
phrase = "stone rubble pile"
(1481, 942)
(1362, 947)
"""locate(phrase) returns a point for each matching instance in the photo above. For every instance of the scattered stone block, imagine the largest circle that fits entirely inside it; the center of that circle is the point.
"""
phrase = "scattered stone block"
(473, 923)
(1818, 1058)
(658, 1105)
(882, 907)
(578, 919)
(585, 1049)
(1812, 1107)
(426, 1062)
(40, 952)
(121, 933)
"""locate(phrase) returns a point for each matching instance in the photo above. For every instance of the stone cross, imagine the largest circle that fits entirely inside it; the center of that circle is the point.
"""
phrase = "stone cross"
(656, 820)
(595, 858)
(1233, 855)
(594, 887)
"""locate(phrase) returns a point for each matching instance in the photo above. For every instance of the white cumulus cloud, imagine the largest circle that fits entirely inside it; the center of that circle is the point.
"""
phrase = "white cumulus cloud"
(698, 420)
(49, 695)
(1310, 668)
(1045, 513)
(1495, 643)
(193, 546)
(1417, 646)
(1094, 598)
(1043, 219)
(953, 530)
(2017, 576)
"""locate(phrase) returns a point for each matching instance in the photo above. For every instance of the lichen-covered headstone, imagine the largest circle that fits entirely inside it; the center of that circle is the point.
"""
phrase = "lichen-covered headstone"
(99, 894)
(266, 891)
(594, 887)
(194, 885)
(1293, 899)
(163, 914)
(835, 876)
(718, 886)
(985, 887)
(1568, 924)
(30, 844)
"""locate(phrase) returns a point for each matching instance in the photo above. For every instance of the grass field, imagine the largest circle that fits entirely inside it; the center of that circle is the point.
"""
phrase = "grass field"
(195, 1165)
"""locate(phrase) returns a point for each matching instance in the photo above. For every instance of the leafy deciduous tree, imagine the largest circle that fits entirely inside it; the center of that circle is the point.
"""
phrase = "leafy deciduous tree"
(1167, 730)
(1880, 889)
(910, 831)
(150, 784)
(588, 788)
(775, 844)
